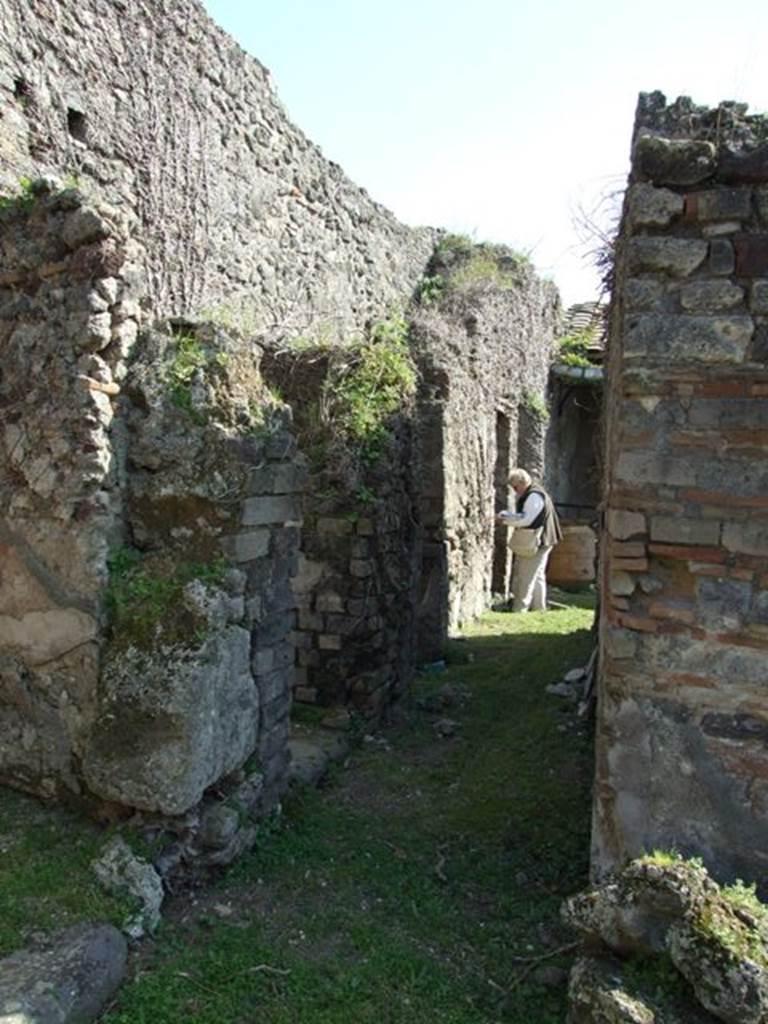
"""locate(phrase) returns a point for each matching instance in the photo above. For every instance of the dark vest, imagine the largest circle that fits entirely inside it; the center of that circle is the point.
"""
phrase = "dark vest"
(547, 519)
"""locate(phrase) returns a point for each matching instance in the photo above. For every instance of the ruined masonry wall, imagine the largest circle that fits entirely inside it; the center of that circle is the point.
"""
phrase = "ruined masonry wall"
(682, 720)
(484, 353)
(66, 317)
(97, 457)
(165, 116)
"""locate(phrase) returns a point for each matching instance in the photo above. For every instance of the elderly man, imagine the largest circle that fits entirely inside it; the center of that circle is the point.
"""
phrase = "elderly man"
(536, 531)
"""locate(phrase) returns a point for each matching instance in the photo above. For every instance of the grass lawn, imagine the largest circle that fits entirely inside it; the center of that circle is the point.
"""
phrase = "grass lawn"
(418, 884)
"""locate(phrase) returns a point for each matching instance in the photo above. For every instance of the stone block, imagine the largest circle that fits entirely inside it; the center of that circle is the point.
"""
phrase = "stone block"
(274, 684)
(758, 297)
(653, 207)
(275, 628)
(673, 161)
(306, 694)
(622, 584)
(329, 601)
(70, 977)
(719, 204)
(361, 568)
(334, 526)
(276, 711)
(244, 547)
(722, 605)
(751, 255)
(290, 477)
(725, 227)
(685, 338)
(310, 620)
(710, 296)
(643, 293)
(628, 549)
(677, 257)
(629, 564)
(301, 641)
(329, 642)
(680, 530)
(267, 509)
(263, 660)
(620, 643)
(365, 527)
(746, 538)
(308, 658)
(623, 524)
(722, 258)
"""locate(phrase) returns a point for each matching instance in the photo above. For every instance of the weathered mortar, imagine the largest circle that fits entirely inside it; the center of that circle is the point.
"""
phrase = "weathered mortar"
(682, 723)
(160, 111)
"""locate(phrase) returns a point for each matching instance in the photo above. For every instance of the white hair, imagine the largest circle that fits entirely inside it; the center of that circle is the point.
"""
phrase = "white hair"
(520, 477)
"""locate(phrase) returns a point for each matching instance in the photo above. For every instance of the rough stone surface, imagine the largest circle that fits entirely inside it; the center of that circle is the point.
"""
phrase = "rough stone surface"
(67, 979)
(678, 763)
(653, 207)
(664, 905)
(601, 991)
(122, 873)
(236, 205)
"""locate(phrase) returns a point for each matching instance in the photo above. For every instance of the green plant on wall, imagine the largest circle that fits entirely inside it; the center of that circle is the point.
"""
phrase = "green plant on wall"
(536, 405)
(376, 379)
(189, 358)
(144, 598)
(20, 200)
(460, 264)
(573, 349)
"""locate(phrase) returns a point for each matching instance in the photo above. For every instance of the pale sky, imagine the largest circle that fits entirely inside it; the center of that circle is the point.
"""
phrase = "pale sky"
(496, 118)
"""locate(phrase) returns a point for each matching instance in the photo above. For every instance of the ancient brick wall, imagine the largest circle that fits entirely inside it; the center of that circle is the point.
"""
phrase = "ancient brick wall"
(166, 117)
(682, 716)
(484, 351)
(149, 530)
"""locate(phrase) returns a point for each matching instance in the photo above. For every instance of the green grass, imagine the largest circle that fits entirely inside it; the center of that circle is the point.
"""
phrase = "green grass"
(45, 877)
(403, 890)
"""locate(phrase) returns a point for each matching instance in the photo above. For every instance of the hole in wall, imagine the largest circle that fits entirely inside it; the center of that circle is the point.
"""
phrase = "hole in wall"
(76, 124)
(22, 90)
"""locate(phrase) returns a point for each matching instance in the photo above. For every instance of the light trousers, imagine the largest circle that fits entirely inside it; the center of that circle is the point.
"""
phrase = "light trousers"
(529, 582)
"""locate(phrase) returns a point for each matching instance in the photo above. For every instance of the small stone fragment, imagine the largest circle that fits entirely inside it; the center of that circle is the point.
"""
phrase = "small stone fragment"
(121, 872)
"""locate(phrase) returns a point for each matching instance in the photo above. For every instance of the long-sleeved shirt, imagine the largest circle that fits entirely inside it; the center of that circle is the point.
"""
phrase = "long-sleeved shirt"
(532, 507)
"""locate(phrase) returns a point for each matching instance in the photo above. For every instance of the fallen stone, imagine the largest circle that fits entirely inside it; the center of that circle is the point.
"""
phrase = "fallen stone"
(445, 727)
(68, 979)
(122, 873)
(309, 762)
(725, 960)
(632, 913)
(575, 675)
(562, 690)
(601, 990)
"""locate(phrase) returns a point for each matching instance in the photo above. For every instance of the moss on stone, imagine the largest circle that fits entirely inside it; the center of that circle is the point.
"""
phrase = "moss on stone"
(144, 599)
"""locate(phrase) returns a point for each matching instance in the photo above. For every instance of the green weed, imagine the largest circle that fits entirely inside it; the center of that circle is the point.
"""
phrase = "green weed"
(536, 405)
(22, 200)
(572, 349)
(143, 598)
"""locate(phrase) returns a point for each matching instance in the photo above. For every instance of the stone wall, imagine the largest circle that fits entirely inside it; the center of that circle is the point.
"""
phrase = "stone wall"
(682, 718)
(149, 531)
(355, 588)
(484, 352)
(151, 105)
